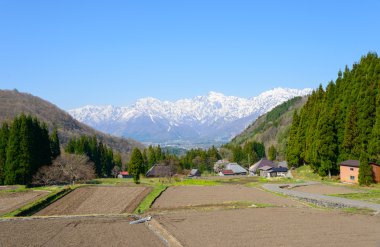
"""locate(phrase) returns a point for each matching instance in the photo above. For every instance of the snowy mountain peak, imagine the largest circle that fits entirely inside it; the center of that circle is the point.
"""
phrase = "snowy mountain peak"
(207, 118)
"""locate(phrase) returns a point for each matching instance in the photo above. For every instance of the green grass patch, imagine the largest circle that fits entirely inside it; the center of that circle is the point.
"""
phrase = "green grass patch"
(149, 199)
(197, 182)
(365, 211)
(369, 196)
(39, 204)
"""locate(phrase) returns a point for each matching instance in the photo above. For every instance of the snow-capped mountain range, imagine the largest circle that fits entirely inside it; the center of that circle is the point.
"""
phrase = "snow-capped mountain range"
(212, 119)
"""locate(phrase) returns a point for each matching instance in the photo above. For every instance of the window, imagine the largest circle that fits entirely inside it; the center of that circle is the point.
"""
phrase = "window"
(352, 177)
(351, 169)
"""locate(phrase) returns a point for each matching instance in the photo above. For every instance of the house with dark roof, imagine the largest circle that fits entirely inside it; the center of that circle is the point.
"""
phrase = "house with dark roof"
(261, 163)
(268, 171)
(349, 171)
(160, 171)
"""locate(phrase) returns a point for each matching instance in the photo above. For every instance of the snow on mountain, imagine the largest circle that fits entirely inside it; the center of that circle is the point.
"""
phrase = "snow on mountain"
(200, 119)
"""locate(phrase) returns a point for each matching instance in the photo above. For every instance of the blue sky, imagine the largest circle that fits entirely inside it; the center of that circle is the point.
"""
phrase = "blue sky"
(74, 53)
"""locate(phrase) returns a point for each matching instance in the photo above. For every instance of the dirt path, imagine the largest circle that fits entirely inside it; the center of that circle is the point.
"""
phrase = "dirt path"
(14, 200)
(325, 189)
(272, 227)
(98, 200)
(179, 196)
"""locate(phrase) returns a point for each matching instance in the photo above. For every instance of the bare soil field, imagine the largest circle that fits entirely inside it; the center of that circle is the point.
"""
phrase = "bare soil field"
(181, 196)
(272, 227)
(76, 232)
(13, 200)
(324, 189)
(98, 200)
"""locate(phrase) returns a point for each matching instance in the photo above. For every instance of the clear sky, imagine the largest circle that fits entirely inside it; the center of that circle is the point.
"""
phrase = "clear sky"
(78, 52)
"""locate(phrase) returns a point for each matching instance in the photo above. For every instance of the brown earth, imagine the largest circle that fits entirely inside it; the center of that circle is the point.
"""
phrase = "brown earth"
(272, 227)
(98, 200)
(92, 231)
(180, 196)
(10, 201)
(324, 189)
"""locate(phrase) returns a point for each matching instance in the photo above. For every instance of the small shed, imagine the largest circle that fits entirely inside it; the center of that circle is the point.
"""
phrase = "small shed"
(195, 173)
(226, 173)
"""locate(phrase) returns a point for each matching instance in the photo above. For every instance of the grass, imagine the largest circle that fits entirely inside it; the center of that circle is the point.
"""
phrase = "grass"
(197, 182)
(149, 199)
(372, 196)
(365, 211)
(35, 206)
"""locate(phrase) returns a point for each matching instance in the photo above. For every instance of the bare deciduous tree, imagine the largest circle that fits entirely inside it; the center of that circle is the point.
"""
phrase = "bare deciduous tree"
(66, 168)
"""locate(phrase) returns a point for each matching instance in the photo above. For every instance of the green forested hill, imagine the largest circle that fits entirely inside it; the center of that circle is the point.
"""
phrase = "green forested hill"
(273, 127)
(14, 103)
(340, 122)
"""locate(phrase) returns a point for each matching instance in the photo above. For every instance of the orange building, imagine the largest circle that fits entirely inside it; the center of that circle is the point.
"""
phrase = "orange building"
(349, 171)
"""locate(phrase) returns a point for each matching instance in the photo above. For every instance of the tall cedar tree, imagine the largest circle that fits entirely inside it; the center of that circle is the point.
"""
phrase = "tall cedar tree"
(365, 170)
(374, 146)
(54, 144)
(4, 136)
(351, 142)
(272, 153)
(136, 165)
(293, 152)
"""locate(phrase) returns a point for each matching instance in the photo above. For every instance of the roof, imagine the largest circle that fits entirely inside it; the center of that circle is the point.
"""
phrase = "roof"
(279, 169)
(261, 163)
(351, 163)
(266, 168)
(283, 164)
(228, 172)
(236, 168)
(159, 171)
(124, 173)
(194, 172)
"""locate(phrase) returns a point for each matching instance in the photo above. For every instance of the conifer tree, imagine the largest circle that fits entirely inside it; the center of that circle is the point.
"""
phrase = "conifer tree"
(136, 165)
(54, 144)
(272, 153)
(351, 142)
(292, 152)
(365, 170)
(374, 145)
(4, 136)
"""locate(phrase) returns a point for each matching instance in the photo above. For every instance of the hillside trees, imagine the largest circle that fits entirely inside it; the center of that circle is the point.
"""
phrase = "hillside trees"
(340, 122)
(24, 148)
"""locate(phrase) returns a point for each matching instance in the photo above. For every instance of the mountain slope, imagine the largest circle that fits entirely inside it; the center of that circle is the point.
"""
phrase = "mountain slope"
(273, 127)
(13, 103)
(208, 119)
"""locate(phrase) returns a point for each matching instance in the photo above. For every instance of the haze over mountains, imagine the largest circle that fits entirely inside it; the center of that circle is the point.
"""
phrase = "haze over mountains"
(200, 121)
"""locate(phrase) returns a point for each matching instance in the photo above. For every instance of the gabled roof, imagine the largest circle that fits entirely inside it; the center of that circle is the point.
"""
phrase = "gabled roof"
(236, 168)
(261, 163)
(351, 163)
(283, 164)
(159, 171)
(265, 168)
(194, 172)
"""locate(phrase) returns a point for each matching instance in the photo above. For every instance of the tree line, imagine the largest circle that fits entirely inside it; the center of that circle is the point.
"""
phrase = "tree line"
(339, 122)
(25, 146)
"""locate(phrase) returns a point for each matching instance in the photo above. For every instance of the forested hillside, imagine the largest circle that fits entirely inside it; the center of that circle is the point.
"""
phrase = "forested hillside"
(340, 122)
(14, 103)
(272, 128)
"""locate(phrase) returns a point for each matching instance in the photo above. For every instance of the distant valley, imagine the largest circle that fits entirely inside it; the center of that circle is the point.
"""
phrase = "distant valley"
(198, 122)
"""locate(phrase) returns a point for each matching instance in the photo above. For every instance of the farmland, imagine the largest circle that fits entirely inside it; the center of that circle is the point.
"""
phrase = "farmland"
(10, 201)
(98, 200)
(192, 213)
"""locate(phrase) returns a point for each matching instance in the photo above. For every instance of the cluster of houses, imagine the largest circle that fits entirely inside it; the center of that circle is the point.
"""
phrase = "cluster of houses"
(264, 168)
(349, 171)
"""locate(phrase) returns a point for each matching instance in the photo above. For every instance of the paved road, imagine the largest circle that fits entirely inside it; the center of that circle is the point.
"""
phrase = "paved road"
(324, 200)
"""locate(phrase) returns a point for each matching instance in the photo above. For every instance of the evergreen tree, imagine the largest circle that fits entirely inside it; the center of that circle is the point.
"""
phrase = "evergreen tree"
(293, 152)
(272, 153)
(365, 170)
(136, 165)
(351, 142)
(4, 136)
(374, 146)
(54, 144)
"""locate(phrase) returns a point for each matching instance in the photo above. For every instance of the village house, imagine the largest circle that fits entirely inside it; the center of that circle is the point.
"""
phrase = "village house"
(270, 172)
(349, 171)
(225, 168)
(226, 173)
(194, 173)
(160, 171)
(254, 169)
(124, 174)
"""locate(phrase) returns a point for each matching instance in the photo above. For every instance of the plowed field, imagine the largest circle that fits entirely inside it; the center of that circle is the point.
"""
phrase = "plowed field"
(98, 200)
(13, 200)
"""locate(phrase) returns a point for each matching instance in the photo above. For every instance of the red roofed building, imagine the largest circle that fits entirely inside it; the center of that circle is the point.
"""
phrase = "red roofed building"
(124, 174)
(226, 173)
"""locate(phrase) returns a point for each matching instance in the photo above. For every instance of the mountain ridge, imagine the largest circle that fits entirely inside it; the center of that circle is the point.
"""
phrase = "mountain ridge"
(211, 118)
